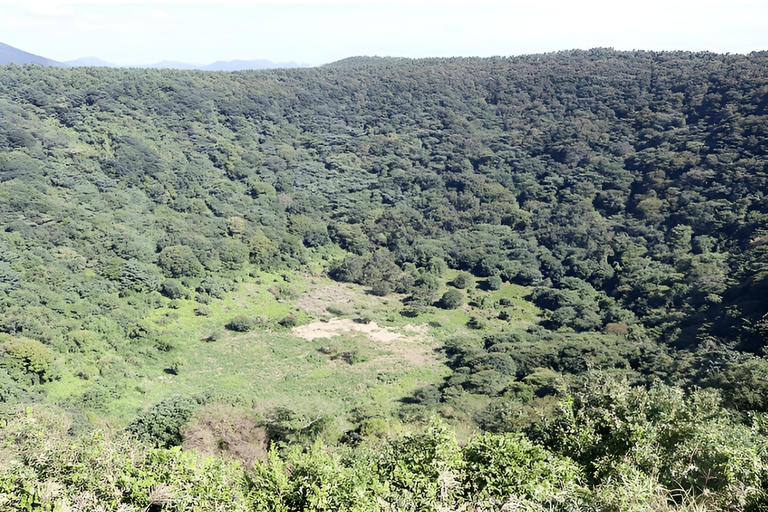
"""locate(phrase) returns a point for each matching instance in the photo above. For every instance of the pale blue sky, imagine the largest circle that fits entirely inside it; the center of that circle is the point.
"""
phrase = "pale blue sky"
(132, 32)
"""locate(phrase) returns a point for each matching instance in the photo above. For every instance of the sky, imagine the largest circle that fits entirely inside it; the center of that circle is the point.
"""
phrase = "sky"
(314, 32)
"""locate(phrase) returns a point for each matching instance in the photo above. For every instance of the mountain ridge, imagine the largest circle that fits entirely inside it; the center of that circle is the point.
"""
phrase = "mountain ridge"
(12, 55)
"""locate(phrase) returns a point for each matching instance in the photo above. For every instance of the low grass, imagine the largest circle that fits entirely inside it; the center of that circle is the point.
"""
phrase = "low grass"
(269, 366)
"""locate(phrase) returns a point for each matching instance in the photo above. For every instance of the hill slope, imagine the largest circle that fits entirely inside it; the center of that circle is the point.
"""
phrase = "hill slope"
(11, 55)
(626, 189)
(567, 251)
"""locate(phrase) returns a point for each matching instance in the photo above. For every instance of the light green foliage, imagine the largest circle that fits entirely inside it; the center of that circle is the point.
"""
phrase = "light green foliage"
(423, 469)
(262, 250)
(52, 472)
(688, 441)
(499, 467)
(303, 480)
(26, 360)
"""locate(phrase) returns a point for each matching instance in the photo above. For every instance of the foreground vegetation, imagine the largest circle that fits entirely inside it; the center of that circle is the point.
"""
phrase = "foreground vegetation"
(444, 284)
(609, 447)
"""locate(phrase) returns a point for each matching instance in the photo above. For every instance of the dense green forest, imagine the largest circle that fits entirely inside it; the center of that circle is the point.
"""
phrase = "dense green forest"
(529, 283)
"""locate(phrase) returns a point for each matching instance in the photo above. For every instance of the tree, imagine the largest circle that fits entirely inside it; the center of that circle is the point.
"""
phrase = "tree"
(463, 280)
(233, 253)
(179, 261)
(25, 359)
(451, 299)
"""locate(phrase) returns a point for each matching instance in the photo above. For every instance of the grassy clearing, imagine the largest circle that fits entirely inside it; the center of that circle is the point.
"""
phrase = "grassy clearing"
(269, 366)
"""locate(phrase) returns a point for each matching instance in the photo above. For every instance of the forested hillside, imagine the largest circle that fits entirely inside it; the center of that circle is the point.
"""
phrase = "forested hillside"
(578, 239)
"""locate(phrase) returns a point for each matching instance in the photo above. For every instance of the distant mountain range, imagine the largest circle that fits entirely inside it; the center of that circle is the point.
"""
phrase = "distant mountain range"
(11, 55)
(90, 61)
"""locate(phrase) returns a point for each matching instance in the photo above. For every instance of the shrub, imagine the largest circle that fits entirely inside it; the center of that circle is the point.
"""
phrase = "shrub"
(173, 289)
(500, 466)
(494, 282)
(233, 253)
(161, 424)
(451, 299)
(241, 323)
(289, 321)
(463, 280)
(179, 261)
(381, 289)
(202, 311)
(26, 359)
(476, 322)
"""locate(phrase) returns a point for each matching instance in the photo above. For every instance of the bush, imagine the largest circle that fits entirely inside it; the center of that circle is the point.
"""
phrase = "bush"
(500, 466)
(427, 396)
(162, 423)
(464, 280)
(289, 321)
(451, 299)
(381, 289)
(233, 253)
(173, 289)
(241, 323)
(494, 282)
(476, 322)
(202, 311)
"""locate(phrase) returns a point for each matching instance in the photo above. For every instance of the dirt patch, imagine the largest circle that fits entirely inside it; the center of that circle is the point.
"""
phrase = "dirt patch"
(225, 430)
(421, 330)
(413, 348)
(338, 326)
(317, 300)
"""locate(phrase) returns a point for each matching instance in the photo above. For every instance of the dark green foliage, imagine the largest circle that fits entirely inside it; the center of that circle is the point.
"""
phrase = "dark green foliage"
(289, 321)
(475, 322)
(241, 323)
(287, 426)
(215, 286)
(494, 282)
(451, 299)
(179, 261)
(427, 396)
(173, 289)
(233, 253)
(425, 290)
(626, 187)
(161, 424)
(463, 280)
(138, 276)
(202, 311)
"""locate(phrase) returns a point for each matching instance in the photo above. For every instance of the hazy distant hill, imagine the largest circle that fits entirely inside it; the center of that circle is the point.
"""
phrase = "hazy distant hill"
(240, 65)
(359, 62)
(169, 64)
(11, 55)
(232, 65)
(90, 61)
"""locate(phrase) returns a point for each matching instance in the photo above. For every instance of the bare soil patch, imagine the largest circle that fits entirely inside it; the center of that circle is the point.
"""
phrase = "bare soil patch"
(413, 348)
(225, 430)
(339, 326)
(317, 299)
